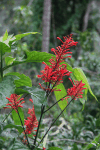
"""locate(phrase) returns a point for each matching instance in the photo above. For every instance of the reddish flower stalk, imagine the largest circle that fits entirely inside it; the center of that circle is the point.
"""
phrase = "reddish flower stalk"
(15, 103)
(54, 73)
(31, 121)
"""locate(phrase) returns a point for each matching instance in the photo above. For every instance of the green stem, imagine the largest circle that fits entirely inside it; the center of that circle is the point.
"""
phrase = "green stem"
(6, 67)
(23, 129)
(42, 111)
(7, 116)
(1, 67)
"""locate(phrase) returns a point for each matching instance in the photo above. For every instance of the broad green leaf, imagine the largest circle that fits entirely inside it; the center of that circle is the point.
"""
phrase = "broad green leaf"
(75, 146)
(22, 81)
(5, 36)
(10, 40)
(61, 94)
(6, 41)
(36, 56)
(93, 143)
(55, 148)
(98, 147)
(9, 60)
(98, 122)
(18, 127)
(16, 117)
(7, 88)
(19, 91)
(4, 48)
(39, 98)
(20, 36)
(78, 74)
(33, 56)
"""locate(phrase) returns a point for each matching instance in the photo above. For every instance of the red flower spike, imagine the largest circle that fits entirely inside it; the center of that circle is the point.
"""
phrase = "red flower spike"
(76, 90)
(31, 121)
(44, 148)
(15, 103)
(48, 75)
(54, 73)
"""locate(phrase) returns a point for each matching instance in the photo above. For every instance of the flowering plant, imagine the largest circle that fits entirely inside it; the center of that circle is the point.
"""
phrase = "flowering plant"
(14, 85)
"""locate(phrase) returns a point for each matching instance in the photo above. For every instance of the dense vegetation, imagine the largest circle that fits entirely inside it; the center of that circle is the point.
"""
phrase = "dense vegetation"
(81, 125)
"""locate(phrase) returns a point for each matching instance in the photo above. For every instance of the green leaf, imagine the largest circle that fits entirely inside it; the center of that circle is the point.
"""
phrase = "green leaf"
(55, 148)
(4, 48)
(93, 143)
(33, 56)
(61, 94)
(6, 41)
(36, 56)
(19, 91)
(16, 117)
(98, 122)
(7, 88)
(79, 75)
(20, 36)
(75, 147)
(5, 36)
(18, 127)
(23, 79)
(39, 98)
(9, 60)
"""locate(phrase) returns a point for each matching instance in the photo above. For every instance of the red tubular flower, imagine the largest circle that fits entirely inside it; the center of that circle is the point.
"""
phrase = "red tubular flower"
(15, 103)
(44, 148)
(76, 90)
(48, 75)
(31, 121)
(55, 72)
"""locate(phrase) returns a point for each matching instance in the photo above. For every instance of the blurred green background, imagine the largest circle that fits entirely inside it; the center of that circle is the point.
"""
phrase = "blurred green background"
(82, 19)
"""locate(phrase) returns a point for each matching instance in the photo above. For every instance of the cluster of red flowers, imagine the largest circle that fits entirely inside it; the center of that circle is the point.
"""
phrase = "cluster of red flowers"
(54, 73)
(15, 103)
(76, 90)
(31, 121)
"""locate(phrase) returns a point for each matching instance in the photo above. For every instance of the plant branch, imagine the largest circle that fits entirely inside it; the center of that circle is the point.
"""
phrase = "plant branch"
(56, 119)
(23, 128)
(7, 116)
(53, 105)
(42, 110)
(1, 67)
